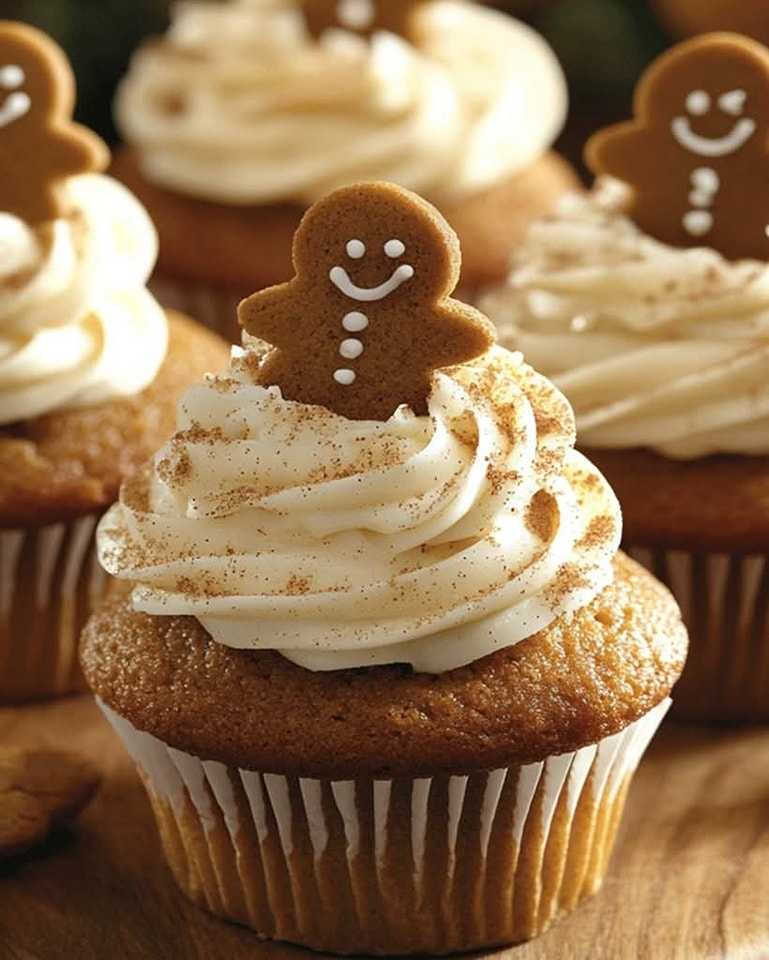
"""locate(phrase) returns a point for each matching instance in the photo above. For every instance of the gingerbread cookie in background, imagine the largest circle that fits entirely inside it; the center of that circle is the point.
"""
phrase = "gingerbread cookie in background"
(364, 17)
(91, 365)
(40, 146)
(688, 18)
(368, 316)
(41, 790)
(696, 156)
(453, 100)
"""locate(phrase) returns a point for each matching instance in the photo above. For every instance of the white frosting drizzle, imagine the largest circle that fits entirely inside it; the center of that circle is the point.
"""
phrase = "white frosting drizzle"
(77, 324)
(425, 540)
(240, 105)
(655, 346)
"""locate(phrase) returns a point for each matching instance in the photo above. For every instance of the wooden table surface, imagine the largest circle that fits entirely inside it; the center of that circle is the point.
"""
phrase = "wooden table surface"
(689, 881)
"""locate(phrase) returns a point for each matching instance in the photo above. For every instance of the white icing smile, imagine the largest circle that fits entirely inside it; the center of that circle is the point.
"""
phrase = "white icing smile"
(341, 280)
(742, 131)
(16, 104)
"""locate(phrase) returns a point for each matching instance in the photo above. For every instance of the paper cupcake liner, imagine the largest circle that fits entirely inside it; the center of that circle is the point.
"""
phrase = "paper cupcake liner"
(215, 307)
(50, 581)
(429, 865)
(724, 599)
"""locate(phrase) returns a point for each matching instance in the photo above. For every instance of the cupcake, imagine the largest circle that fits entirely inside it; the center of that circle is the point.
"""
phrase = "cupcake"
(90, 365)
(687, 18)
(249, 111)
(647, 303)
(383, 672)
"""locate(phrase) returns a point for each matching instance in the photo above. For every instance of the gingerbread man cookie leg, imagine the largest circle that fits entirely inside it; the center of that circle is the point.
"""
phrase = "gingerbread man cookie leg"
(40, 146)
(368, 316)
(696, 157)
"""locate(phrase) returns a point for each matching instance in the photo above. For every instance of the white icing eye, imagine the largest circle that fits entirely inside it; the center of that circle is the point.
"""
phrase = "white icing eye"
(355, 14)
(356, 249)
(394, 248)
(698, 103)
(11, 77)
(733, 102)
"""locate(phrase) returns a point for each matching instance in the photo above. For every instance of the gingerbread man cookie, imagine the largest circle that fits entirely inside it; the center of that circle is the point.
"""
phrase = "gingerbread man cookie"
(364, 17)
(39, 144)
(367, 318)
(696, 156)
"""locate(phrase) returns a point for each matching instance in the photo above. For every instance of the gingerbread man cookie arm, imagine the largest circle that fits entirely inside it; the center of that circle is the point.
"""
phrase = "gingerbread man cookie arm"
(459, 333)
(77, 150)
(611, 151)
(39, 144)
(269, 315)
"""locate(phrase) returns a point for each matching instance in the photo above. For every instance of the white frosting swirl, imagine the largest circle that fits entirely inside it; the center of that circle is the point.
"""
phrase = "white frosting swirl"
(77, 324)
(238, 104)
(655, 346)
(431, 541)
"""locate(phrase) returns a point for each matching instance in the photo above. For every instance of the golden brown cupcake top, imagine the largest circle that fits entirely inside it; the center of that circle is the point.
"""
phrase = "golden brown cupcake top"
(67, 463)
(585, 677)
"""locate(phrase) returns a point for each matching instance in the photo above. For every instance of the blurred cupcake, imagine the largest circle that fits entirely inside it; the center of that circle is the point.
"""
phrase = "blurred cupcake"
(687, 18)
(662, 347)
(246, 112)
(90, 365)
(384, 674)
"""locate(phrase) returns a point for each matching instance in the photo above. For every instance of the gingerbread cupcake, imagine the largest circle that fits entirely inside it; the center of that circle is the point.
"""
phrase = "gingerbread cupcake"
(90, 365)
(647, 302)
(247, 112)
(687, 18)
(383, 671)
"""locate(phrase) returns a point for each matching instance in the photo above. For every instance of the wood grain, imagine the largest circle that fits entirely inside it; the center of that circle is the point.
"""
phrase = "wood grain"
(689, 881)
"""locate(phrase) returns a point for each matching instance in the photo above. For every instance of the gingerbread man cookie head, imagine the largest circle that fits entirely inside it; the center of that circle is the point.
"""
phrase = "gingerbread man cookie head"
(367, 241)
(40, 146)
(368, 317)
(696, 156)
(362, 17)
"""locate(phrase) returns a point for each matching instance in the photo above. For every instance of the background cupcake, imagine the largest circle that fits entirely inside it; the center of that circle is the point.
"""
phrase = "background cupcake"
(90, 365)
(240, 117)
(648, 304)
(384, 674)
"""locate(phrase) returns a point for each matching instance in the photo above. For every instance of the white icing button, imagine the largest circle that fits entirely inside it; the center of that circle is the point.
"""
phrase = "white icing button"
(706, 184)
(345, 377)
(355, 14)
(698, 222)
(395, 248)
(355, 321)
(356, 249)
(351, 349)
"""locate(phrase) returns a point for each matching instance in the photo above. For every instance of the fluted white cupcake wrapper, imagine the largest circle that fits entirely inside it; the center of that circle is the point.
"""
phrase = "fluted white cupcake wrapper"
(379, 828)
(724, 599)
(50, 581)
